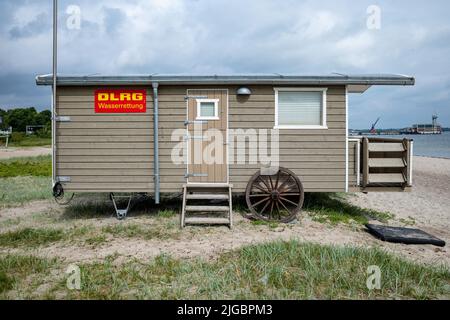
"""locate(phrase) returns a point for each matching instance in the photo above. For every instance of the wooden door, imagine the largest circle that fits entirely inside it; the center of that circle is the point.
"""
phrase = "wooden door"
(207, 135)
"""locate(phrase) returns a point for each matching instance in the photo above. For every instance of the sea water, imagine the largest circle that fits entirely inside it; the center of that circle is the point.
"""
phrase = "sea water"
(428, 145)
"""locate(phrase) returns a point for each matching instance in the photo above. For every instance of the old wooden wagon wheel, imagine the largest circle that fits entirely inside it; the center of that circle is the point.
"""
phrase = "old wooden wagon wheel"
(278, 197)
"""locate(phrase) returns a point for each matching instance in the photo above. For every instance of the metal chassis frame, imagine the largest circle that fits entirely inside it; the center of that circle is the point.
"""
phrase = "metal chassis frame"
(121, 213)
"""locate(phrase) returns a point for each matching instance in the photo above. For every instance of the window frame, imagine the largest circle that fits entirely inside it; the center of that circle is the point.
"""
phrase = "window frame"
(323, 125)
(216, 109)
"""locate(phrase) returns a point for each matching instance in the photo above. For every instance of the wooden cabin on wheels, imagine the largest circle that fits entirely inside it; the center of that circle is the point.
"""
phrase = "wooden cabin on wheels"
(150, 134)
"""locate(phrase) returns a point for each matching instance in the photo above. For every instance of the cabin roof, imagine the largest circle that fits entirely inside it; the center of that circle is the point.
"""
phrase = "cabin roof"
(355, 83)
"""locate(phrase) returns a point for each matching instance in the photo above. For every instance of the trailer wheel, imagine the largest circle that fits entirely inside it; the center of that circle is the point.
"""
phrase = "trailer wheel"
(278, 197)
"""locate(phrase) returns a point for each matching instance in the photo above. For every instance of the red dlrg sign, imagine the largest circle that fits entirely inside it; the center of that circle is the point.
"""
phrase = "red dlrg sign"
(120, 101)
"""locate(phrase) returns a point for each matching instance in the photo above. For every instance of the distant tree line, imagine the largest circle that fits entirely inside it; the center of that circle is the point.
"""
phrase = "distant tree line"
(19, 118)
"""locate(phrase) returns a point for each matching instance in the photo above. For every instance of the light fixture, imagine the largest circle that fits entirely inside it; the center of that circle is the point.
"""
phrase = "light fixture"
(244, 91)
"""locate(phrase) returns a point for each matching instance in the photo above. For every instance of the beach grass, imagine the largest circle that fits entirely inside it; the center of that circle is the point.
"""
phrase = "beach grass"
(30, 237)
(277, 270)
(145, 232)
(16, 269)
(31, 141)
(333, 208)
(40, 166)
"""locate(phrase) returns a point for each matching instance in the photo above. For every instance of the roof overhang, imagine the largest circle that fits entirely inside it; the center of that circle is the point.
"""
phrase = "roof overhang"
(355, 83)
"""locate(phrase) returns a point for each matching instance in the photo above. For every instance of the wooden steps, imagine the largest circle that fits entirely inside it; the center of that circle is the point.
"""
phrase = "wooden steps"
(205, 221)
(207, 204)
(207, 197)
(386, 163)
(386, 147)
(386, 178)
(207, 208)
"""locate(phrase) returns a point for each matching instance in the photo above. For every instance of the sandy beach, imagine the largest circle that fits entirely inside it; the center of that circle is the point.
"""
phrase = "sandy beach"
(428, 205)
(425, 207)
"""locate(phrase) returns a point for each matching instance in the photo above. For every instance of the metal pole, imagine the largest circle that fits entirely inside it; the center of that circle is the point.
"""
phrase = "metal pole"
(55, 71)
(156, 140)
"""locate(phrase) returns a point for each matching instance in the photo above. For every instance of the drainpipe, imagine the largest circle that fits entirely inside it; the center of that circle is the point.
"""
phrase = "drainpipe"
(55, 65)
(156, 141)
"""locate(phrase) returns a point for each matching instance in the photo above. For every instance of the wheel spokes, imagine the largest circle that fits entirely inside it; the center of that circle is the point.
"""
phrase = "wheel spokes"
(261, 201)
(257, 186)
(264, 208)
(284, 206)
(267, 186)
(292, 202)
(276, 197)
(278, 179)
(289, 194)
(284, 183)
(258, 195)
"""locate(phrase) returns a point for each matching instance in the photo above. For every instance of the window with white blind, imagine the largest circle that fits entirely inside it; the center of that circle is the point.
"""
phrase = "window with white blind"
(300, 108)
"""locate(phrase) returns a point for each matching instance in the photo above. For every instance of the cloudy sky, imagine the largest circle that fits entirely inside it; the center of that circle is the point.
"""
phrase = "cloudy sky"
(237, 37)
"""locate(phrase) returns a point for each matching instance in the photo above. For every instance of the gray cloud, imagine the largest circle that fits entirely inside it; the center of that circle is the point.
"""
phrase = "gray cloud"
(40, 24)
(113, 20)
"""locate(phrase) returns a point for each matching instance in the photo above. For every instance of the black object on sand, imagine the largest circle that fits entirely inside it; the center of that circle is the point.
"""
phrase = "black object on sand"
(403, 235)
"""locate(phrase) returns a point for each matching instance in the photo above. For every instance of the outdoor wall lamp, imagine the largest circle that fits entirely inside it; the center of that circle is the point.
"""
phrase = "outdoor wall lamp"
(244, 91)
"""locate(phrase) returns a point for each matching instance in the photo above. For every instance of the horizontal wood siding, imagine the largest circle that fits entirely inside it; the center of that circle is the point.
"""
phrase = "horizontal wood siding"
(115, 152)
(316, 156)
(103, 152)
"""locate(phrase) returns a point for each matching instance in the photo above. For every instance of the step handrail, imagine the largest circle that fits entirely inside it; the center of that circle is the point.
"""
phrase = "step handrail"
(365, 162)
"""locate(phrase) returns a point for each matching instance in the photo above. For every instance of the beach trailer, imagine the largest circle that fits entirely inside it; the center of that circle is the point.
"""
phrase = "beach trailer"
(270, 137)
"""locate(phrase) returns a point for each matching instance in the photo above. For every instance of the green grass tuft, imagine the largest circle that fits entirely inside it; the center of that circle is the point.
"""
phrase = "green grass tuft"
(30, 141)
(18, 190)
(334, 208)
(167, 213)
(14, 269)
(29, 237)
(142, 231)
(40, 166)
(6, 282)
(96, 240)
(279, 270)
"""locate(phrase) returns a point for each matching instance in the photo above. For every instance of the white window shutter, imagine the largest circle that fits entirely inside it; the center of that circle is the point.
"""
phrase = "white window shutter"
(300, 108)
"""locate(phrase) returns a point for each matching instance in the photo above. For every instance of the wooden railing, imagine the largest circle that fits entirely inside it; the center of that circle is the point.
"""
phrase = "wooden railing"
(386, 162)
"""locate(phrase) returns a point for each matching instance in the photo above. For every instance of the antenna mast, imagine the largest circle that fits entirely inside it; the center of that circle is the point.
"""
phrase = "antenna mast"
(55, 71)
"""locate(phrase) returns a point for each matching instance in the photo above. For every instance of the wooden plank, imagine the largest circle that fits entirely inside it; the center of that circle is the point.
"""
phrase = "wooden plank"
(112, 118)
(114, 179)
(270, 125)
(197, 220)
(303, 178)
(265, 116)
(386, 163)
(103, 132)
(386, 147)
(111, 185)
(98, 165)
(102, 139)
(386, 178)
(207, 208)
(207, 196)
(104, 125)
(105, 159)
(209, 185)
(382, 189)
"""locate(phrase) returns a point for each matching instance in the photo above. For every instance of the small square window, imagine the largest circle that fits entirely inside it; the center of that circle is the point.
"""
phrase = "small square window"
(207, 109)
